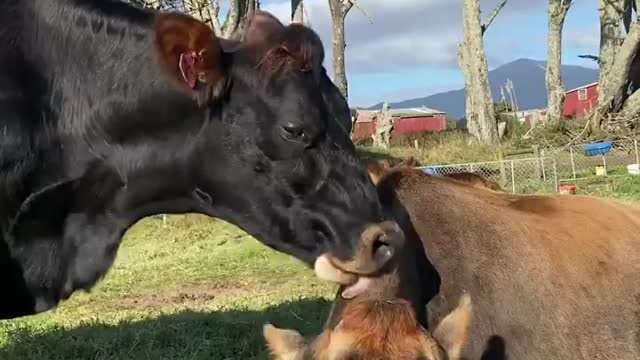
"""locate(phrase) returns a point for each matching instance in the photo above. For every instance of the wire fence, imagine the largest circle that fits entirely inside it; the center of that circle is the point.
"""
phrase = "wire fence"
(551, 168)
(530, 175)
(574, 164)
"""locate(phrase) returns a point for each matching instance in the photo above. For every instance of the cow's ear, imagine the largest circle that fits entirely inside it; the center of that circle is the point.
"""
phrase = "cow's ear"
(284, 344)
(263, 30)
(276, 45)
(191, 53)
(377, 169)
(453, 331)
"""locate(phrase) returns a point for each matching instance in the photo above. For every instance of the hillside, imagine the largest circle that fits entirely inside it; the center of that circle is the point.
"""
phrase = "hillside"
(528, 79)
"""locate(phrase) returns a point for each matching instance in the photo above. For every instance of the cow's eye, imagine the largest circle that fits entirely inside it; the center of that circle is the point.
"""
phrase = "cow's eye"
(293, 132)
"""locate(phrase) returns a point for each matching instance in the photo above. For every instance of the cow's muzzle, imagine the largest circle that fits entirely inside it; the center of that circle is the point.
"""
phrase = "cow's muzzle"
(377, 246)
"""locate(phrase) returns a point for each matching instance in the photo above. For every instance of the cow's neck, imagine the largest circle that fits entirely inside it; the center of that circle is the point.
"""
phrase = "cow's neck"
(104, 96)
(107, 70)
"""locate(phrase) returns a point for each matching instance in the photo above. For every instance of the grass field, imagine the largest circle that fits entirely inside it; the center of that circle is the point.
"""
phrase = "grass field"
(196, 288)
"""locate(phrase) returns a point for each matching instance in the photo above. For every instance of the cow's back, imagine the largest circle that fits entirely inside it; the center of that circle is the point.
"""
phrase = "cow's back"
(550, 277)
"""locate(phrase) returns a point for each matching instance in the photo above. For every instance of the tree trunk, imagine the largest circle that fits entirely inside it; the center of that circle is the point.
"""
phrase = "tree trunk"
(631, 109)
(611, 13)
(612, 91)
(555, 90)
(247, 11)
(481, 117)
(297, 11)
(384, 126)
(339, 12)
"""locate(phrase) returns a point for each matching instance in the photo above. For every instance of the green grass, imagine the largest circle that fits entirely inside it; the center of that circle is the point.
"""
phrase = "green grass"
(194, 289)
(434, 148)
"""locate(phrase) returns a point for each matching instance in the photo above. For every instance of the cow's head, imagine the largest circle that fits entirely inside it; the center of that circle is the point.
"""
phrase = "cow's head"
(275, 159)
(382, 330)
(248, 133)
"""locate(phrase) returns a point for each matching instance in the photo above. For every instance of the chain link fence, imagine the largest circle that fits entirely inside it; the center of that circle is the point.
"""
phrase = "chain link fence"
(530, 175)
(573, 163)
(553, 167)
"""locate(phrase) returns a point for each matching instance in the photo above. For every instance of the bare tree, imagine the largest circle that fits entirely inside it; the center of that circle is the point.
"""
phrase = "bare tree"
(384, 125)
(298, 12)
(611, 13)
(480, 112)
(339, 10)
(558, 10)
(208, 12)
(236, 19)
(619, 63)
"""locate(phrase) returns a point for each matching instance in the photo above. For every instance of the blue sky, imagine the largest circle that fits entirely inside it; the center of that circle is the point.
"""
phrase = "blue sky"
(410, 48)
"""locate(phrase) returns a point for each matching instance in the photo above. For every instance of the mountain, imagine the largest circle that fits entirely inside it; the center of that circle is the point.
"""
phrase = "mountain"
(528, 77)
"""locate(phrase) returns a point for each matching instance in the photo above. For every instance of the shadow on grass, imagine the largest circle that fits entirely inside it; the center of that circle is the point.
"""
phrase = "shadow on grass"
(235, 334)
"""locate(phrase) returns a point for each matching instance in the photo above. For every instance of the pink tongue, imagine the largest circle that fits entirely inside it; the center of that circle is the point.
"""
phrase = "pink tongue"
(357, 288)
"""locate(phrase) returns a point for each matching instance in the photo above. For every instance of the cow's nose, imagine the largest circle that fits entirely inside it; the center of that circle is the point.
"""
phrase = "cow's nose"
(382, 252)
(382, 241)
(378, 243)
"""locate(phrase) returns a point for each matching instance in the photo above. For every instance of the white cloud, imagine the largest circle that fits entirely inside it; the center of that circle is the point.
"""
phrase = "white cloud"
(582, 40)
(404, 33)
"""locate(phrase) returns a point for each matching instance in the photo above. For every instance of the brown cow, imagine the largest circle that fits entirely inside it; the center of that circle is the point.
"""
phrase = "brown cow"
(551, 277)
(376, 329)
(378, 168)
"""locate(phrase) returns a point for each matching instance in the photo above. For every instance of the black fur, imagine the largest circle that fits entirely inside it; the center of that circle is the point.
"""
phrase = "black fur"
(93, 137)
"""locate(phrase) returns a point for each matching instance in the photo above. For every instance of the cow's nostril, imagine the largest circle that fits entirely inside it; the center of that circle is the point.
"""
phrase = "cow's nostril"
(382, 252)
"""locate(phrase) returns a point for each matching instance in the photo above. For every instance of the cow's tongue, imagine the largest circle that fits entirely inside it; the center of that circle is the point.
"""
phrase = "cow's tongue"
(358, 288)
(355, 285)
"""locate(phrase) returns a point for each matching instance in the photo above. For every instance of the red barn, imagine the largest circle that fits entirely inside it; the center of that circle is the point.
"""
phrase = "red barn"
(406, 121)
(580, 101)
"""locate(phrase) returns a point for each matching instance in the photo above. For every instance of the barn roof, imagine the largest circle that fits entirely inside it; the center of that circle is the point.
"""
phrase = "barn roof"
(367, 115)
(582, 87)
(419, 111)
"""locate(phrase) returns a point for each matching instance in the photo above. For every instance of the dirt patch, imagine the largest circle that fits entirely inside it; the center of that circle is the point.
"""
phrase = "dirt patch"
(196, 295)
(193, 294)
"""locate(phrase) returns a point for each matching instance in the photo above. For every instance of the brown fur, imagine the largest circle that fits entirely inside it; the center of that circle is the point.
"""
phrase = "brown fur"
(383, 327)
(178, 34)
(377, 168)
(552, 277)
(475, 180)
(376, 329)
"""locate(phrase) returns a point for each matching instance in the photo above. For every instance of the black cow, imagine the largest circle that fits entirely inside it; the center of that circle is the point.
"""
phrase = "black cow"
(110, 113)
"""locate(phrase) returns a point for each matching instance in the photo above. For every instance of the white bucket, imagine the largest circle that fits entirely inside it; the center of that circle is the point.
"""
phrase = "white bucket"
(633, 169)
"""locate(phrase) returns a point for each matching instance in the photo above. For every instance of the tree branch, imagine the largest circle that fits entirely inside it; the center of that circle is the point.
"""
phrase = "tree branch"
(214, 6)
(631, 108)
(590, 57)
(232, 20)
(493, 15)
(362, 10)
(621, 64)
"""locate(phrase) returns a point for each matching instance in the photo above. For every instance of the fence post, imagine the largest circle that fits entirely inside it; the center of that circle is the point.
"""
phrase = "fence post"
(635, 143)
(513, 178)
(164, 219)
(555, 173)
(573, 163)
(471, 168)
(544, 173)
(536, 154)
(503, 172)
